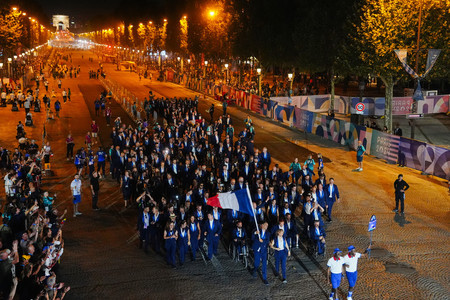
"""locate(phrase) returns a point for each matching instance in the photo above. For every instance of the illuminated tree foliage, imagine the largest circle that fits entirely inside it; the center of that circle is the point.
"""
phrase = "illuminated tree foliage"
(10, 30)
(383, 26)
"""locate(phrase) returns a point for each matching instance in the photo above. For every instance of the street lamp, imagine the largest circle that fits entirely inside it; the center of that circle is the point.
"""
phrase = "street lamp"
(9, 66)
(226, 77)
(1, 70)
(258, 70)
(290, 77)
(204, 69)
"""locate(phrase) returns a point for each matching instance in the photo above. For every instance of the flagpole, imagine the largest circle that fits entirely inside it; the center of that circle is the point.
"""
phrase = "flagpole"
(254, 212)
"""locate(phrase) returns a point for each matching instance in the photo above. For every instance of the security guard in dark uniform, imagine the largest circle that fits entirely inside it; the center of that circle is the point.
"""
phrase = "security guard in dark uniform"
(400, 187)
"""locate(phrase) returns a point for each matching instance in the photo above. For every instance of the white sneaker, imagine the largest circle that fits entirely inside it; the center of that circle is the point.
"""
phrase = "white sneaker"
(349, 298)
(78, 213)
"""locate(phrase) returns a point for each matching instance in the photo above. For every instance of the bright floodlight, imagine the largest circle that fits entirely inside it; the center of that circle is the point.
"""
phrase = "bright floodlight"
(290, 76)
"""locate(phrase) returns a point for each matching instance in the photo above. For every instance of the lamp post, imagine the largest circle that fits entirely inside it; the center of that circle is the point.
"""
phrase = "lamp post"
(226, 74)
(204, 69)
(258, 70)
(290, 77)
(1, 71)
(9, 66)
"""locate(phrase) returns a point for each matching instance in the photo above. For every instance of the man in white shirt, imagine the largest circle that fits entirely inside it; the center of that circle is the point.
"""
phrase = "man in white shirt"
(8, 184)
(75, 187)
(3, 97)
(335, 270)
(351, 265)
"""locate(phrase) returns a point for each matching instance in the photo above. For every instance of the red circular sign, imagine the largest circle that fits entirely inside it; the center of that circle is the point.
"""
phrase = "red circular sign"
(360, 106)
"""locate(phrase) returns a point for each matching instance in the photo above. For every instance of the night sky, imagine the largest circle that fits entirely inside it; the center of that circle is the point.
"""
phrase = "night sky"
(84, 9)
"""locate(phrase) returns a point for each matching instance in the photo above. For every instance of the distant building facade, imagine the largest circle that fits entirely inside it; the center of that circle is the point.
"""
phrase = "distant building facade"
(61, 22)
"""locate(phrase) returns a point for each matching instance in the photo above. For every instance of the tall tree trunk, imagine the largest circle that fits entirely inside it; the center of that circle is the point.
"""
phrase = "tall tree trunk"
(332, 89)
(389, 94)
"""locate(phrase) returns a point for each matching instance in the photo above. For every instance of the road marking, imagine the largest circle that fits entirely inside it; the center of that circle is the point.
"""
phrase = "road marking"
(109, 205)
(133, 238)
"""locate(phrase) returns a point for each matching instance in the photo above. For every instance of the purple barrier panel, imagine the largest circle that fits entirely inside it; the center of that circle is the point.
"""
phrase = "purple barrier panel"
(437, 161)
(385, 146)
(413, 152)
(303, 119)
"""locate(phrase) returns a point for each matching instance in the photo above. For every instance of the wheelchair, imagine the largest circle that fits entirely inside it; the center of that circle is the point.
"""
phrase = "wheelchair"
(242, 256)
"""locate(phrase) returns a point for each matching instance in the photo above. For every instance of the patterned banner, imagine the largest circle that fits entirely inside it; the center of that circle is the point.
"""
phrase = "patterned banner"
(303, 119)
(385, 146)
(433, 55)
(412, 152)
(402, 56)
(255, 105)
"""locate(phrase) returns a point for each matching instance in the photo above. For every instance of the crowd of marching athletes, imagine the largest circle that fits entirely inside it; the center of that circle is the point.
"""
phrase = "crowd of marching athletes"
(172, 167)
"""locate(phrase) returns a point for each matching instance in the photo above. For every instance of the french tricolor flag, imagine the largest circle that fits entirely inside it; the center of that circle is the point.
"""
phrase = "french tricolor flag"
(239, 200)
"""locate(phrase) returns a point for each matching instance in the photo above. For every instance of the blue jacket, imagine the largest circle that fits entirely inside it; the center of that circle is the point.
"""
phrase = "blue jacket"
(261, 247)
(334, 193)
(322, 199)
(211, 232)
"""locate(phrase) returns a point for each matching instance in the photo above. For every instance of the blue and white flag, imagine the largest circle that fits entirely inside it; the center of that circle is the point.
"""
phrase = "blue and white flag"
(433, 55)
(402, 56)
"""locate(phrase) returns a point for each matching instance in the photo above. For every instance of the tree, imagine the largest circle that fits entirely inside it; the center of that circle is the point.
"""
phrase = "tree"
(318, 35)
(10, 31)
(382, 26)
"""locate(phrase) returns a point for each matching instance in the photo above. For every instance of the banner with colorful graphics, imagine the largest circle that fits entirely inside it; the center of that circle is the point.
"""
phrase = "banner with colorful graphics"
(255, 104)
(284, 114)
(385, 146)
(342, 132)
(303, 119)
(412, 151)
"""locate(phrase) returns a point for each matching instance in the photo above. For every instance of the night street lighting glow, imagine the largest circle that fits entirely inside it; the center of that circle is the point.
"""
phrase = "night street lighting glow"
(212, 13)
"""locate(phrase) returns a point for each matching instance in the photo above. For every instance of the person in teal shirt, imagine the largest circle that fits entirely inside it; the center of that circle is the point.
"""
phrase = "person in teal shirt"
(310, 163)
(359, 155)
(48, 202)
